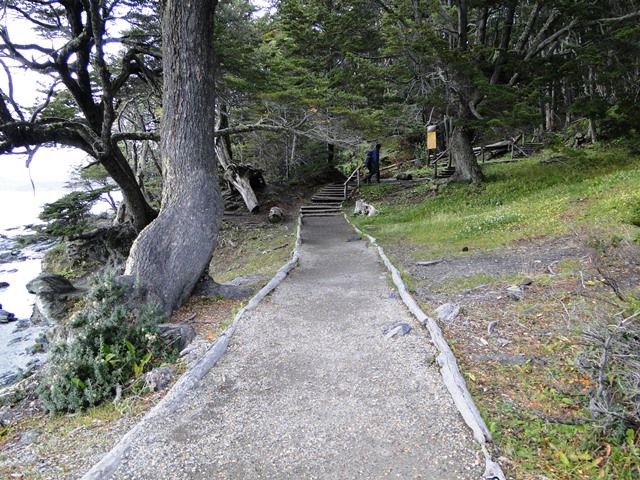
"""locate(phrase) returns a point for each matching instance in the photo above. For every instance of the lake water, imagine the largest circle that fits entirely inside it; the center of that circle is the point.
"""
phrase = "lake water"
(20, 205)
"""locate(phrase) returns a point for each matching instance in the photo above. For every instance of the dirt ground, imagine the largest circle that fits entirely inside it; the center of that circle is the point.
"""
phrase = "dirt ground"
(520, 348)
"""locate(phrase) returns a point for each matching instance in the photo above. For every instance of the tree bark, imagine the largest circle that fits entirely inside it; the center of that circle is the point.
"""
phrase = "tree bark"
(467, 168)
(170, 255)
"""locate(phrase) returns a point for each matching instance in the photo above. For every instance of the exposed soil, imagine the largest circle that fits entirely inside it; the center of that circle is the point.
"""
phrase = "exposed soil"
(520, 351)
(530, 258)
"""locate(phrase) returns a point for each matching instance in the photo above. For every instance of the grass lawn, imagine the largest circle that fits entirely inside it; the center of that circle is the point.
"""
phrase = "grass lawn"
(592, 188)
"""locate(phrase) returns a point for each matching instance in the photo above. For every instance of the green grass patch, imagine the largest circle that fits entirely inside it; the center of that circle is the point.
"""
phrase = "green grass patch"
(252, 251)
(523, 200)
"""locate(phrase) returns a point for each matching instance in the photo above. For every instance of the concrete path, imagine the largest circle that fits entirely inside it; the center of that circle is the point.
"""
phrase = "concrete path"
(311, 388)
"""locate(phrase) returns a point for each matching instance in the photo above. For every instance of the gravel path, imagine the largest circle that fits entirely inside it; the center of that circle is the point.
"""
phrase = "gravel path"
(311, 388)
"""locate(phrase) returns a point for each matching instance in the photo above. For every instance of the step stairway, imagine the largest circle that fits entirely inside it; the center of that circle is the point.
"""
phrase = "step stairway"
(327, 202)
(446, 172)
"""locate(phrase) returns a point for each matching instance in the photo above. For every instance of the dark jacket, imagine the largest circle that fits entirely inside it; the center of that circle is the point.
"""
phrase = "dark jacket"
(373, 159)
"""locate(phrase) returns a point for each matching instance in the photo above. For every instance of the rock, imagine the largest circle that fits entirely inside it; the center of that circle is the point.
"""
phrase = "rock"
(4, 284)
(404, 176)
(360, 208)
(276, 215)
(245, 280)
(396, 329)
(363, 208)
(29, 437)
(16, 340)
(158, 378)
(209, 288)
(447, 312)
(491, 327)
(41, 345)
(516, 293)
(8, 378)
(176, 335)
(14, 256)
(465, 249)
(526, 282)
(6, 317)
(428, 263)
(48, 283)
(22, 325)
(52, 295)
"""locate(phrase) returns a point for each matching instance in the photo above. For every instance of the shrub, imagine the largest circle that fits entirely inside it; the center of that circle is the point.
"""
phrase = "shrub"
(112, 343)
(612, 361)
(635, 216)
(69, 214)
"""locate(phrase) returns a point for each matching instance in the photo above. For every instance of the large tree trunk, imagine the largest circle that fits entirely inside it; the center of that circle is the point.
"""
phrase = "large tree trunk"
(467, 168)
(170, 255)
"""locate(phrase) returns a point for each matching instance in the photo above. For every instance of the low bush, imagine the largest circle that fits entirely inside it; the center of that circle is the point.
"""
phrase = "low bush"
(612, 361)
(110, 343)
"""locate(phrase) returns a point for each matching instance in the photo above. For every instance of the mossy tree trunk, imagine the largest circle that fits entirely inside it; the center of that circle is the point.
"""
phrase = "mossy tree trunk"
(170, 255)
(467, 168)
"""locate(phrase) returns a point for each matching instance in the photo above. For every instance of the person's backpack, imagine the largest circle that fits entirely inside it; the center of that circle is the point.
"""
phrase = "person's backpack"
(369, 160)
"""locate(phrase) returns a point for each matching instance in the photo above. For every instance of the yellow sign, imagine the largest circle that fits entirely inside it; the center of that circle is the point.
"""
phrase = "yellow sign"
(431, 141)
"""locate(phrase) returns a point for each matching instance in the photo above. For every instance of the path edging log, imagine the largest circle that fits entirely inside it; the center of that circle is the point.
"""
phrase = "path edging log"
(451, 375)
(105, 468)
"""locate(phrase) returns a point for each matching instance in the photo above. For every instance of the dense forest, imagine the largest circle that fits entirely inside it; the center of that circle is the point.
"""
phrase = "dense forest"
(175, 102)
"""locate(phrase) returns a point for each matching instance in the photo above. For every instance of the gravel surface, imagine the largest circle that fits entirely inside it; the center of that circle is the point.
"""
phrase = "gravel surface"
(311, 388)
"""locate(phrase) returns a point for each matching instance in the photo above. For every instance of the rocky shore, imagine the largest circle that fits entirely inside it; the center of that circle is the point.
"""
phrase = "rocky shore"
(23, 338)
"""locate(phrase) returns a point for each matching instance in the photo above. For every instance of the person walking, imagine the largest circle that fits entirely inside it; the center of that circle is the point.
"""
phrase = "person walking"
(373, 163)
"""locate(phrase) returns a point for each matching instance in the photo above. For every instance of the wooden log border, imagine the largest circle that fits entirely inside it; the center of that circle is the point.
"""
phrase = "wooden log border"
(106, 467)
(451, 375)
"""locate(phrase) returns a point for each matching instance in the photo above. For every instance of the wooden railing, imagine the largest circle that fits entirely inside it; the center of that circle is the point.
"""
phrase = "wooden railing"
(356, 172)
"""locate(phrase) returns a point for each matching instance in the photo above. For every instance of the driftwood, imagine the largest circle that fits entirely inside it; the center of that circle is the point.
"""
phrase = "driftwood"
(237, 176)
(428, 263)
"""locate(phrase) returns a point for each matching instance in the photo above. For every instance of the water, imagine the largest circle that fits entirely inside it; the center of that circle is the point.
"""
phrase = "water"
(20, 206)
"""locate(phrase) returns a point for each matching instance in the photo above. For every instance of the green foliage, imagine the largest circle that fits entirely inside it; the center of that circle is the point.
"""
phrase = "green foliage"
(111, 342)
(69, 215)
(635, 215)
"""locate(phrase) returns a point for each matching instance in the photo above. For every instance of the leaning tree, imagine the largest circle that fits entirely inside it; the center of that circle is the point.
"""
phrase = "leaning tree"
(70, 47)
